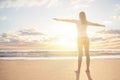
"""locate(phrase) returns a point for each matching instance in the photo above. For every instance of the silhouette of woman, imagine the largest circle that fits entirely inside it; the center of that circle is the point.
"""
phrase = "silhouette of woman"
(83, 40)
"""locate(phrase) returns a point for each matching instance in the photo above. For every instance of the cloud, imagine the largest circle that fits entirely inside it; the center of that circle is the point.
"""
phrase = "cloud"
(116, 17)
(29, 3)
(30, 31)
(47, 3)
(54, 3)
(81, 3)
(25, 37)
(3, 18)
(110, 31)
(9, 39)
(109, 38)
(117, 7)
(30, 37)
(21, 3)
(74, 2)
(117, 12)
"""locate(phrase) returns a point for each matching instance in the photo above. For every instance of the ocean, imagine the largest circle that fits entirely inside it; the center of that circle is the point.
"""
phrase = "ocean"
(56, 54)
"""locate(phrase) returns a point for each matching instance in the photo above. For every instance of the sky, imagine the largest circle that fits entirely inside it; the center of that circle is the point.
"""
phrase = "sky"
(28, 24)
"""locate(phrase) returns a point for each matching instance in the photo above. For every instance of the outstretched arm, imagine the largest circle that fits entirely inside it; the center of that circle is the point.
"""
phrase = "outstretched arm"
(95, 24)
(65, 20)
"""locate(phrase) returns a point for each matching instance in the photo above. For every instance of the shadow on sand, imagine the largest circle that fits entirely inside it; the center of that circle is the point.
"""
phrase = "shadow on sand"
(87, 73)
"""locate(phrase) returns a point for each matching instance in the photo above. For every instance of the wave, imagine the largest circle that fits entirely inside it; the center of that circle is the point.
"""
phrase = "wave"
(53, 53)
(114, 57)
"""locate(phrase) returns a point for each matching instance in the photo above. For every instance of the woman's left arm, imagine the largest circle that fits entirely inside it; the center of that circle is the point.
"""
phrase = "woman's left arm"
(95, 24)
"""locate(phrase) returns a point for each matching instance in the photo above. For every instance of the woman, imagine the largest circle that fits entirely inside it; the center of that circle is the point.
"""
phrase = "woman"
(83, 40)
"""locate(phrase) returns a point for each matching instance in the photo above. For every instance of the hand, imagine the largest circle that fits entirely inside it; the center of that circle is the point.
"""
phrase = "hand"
(56, 19)
(104, 26)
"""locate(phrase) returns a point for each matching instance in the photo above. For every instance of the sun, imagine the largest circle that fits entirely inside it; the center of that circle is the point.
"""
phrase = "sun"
(69, 35)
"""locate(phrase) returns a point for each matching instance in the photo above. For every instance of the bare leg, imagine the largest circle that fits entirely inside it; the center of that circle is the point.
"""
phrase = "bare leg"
(79, 65)
(87, 61)
(86, 47)
(88, 75)
(79, 59)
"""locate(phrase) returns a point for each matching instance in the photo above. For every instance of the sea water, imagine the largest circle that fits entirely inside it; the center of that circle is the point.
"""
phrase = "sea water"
(56, 54)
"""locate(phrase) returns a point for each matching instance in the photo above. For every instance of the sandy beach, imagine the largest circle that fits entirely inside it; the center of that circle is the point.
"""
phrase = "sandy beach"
(57, 70)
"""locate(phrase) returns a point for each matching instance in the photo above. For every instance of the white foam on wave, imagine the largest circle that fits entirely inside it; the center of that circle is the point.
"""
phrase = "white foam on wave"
(59, 58)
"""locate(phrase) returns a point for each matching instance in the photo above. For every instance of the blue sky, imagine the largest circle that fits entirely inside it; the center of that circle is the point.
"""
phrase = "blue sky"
(18, 15)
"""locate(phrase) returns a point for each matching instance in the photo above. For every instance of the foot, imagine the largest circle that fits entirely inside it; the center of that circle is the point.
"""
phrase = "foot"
(77, 74)
(87, 70)
(76, 71)
(88, 74)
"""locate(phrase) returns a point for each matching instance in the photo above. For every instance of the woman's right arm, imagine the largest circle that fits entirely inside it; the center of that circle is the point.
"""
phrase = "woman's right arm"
(65, 20)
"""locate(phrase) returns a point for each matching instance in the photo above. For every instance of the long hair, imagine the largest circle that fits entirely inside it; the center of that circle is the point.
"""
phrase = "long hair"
(82, 17)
